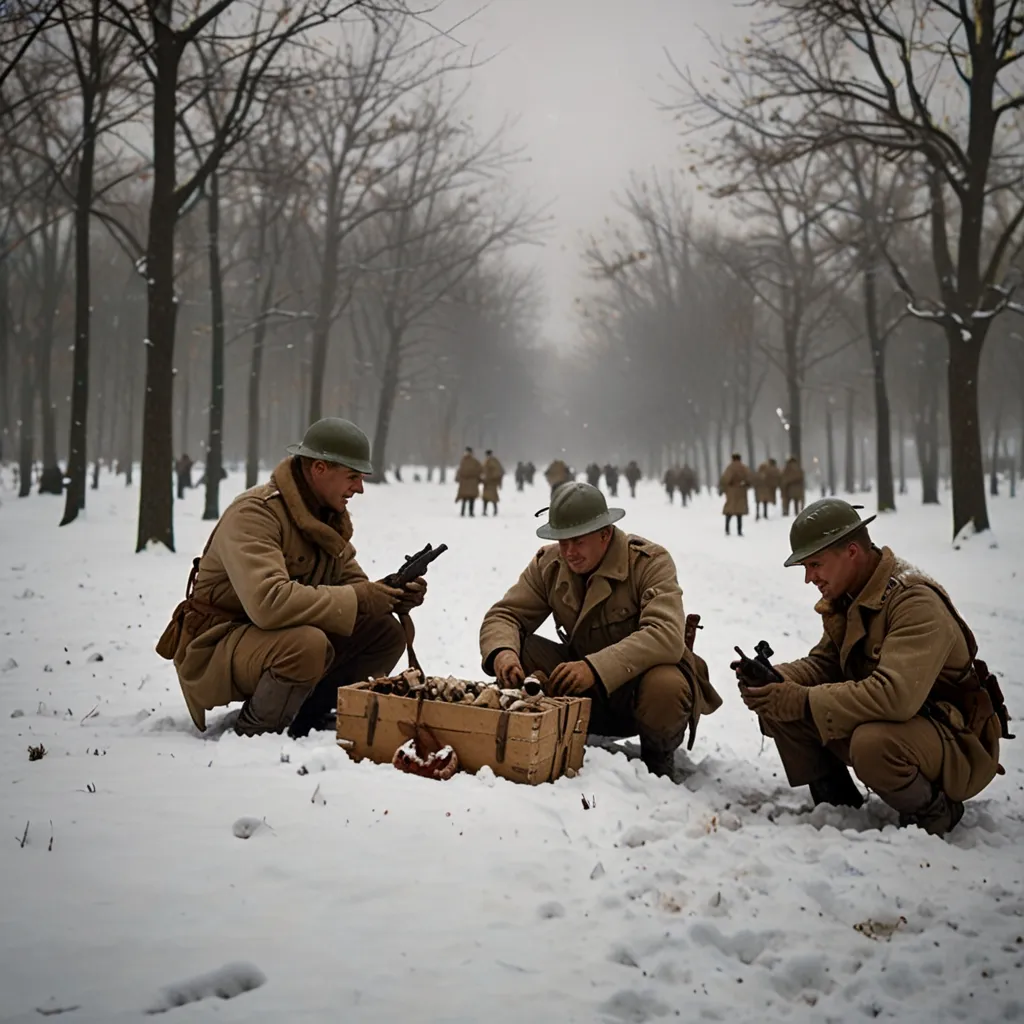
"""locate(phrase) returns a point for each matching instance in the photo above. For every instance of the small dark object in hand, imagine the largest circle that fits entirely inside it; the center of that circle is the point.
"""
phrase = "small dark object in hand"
(758, 670)
(414, 566)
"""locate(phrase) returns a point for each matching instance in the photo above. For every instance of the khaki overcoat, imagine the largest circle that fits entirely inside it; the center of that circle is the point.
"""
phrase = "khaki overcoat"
(468, 478)
(557, 473)
(493, 474)
(878, 660)
(734, 484)
(766, 484)
(792, 481)
(625, 618)
(270, 563)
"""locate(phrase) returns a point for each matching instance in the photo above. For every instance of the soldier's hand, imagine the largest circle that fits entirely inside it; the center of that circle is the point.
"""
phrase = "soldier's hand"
(509, 669)
(376, 599)
(412, 596)
(742, 677)
(570, 678)
(779, 702)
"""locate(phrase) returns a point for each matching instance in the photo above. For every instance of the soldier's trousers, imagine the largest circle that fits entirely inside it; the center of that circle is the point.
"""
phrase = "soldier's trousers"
(656, 705)
(308, 655)
(885, 756)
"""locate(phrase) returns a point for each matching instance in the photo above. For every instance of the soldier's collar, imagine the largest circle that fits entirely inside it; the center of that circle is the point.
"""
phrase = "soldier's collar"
(615, 564)
(874, 592)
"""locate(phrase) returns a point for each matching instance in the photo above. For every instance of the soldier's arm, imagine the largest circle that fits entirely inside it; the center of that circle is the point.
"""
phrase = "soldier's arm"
(920, 638)
(659, 639)
(251, 553)
(820, 666)
(353, 571)
(522, 610)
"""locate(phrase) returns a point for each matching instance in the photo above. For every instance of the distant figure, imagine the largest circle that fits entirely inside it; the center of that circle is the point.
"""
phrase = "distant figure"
(766, 486)
(529, 469)
(397, 470)
(611, 478)
(671, 482)
(734, 484)
(467, 476)
(633, 475)
(183, 467)
(520, 475)
(557, 474)
(687, 483)
(792, 486)
(493, 474)
(593, 474)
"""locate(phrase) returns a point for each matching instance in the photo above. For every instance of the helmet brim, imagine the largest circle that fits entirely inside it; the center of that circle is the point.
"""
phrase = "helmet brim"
(549, 532)
(810, 550)
(359, 465)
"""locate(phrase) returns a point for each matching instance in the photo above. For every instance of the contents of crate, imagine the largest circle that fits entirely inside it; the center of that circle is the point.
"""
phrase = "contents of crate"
(435, 725)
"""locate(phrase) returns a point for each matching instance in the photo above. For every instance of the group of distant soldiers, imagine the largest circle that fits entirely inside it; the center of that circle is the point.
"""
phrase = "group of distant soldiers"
(768, 483)
(682, 479)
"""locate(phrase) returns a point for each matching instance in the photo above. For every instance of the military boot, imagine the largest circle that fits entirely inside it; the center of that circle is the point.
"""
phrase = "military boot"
(924, 804)
(659, 757)
(274, 703)
(838, 789)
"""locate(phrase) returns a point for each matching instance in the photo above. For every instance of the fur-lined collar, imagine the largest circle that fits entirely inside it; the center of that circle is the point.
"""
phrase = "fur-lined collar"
(332, 536)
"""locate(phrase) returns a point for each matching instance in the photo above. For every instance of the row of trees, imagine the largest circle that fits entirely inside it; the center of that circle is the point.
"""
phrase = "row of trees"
(283, 204)
(868, 160)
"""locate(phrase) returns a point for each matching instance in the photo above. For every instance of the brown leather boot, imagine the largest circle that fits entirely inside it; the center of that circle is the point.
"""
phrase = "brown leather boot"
(273, 705)
(838, 789)
(924, 804)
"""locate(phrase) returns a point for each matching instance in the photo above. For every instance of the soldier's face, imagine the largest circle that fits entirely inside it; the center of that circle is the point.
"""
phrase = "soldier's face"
(584, 554)
(335, 484)
(833, 571)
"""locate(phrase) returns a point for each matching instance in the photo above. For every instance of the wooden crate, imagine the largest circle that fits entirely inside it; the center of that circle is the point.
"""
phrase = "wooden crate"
(523, 746)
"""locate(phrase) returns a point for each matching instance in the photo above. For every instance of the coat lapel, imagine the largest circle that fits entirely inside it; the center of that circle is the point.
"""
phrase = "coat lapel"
(867, 602)
(331, 537)
(614, 567)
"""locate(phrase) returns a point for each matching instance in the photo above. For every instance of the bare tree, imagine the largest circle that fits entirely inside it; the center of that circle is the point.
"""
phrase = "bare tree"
(258, 40)
(933, 84)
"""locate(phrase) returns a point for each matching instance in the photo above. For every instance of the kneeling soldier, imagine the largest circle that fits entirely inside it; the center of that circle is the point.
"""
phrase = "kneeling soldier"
(892, 688)
(278, 613)
(619, 611)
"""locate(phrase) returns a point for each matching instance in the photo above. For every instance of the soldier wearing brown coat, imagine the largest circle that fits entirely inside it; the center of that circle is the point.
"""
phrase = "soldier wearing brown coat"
(618, 608)
(766, 486)
(557, 474)
(278, 613)
(467, 476)
(734, 484)
(792, 483)
(891, 688)
(493, 473)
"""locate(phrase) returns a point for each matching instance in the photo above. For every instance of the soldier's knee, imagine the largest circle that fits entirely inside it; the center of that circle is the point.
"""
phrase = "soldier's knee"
(876, 752)
(664, 700)
(303, 655)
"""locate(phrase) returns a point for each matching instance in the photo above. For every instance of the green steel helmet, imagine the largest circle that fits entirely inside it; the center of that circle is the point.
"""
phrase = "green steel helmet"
(576, 509)
(822, 524)
(335, 440)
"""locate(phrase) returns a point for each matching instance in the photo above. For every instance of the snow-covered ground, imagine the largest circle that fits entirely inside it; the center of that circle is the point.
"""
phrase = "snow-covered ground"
(365, 895)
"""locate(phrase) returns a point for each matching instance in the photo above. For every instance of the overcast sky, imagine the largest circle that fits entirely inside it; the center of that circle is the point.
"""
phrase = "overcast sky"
(583, 78)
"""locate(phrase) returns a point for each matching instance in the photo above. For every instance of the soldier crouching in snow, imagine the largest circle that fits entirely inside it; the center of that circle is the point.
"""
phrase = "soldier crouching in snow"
(618, 606)
(892, 688)
(278, 613)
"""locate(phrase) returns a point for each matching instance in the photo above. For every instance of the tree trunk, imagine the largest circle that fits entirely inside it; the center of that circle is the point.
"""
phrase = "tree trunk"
(849, 466)
(128, 440)
(386, 405)
(156, 493)
(902, 454)
(215, 444)
(793, 394)
(264, 295)
(78, 432)
(864, 485)
(27, 394)
(186, 406)
(830, 447)
(1010, 464)
(993, 480)
(52, 479)
(966, 467)
(706, 450)
(326, 298)
(883, 430)
(5, 353)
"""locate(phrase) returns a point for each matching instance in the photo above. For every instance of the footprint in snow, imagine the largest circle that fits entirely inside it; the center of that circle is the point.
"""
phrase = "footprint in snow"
(633, 1007)
(547, 911)
(224, 983)
(246, 827)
